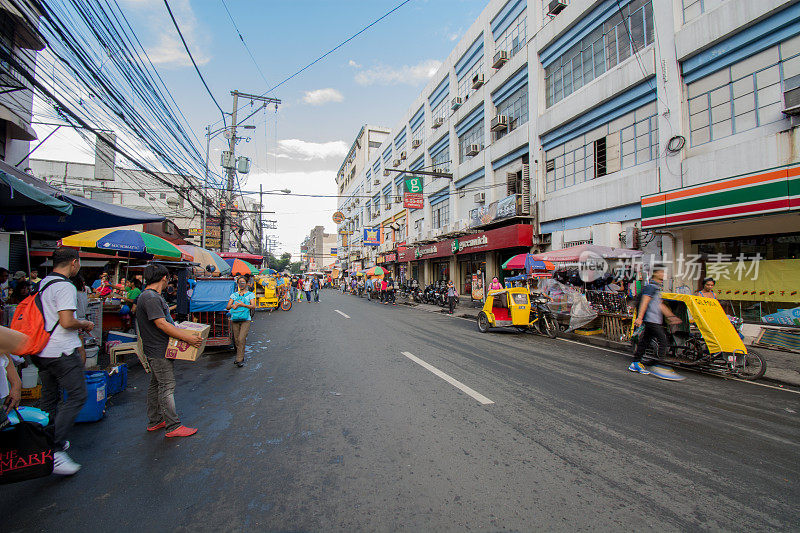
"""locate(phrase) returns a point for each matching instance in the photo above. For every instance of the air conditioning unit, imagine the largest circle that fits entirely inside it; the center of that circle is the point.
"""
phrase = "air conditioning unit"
(473, 149)
(458, 225)
(376, 181)
(387, 172)
(500, 59)
(499, 123)
(456, 103)
(556, 7)
(388, 206)
(791, 96)
(480, 197)
(396, 163)
(403, 156)
(172, 201)
(438, 122)
(416, 143)
(477, 81)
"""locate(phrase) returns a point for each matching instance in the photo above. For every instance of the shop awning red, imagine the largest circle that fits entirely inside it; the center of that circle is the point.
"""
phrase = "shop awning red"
(251, 258)
(514, 236)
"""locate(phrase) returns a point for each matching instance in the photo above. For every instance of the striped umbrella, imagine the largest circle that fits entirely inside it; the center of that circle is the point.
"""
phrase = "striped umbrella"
(125, 243)
(376, 271)
(240, 266)
(206, 258)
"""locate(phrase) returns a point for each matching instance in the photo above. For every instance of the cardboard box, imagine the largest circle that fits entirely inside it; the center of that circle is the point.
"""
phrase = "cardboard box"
(181, 350)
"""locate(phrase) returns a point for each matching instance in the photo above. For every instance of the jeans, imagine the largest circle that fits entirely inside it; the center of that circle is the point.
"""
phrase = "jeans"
(308, 296)
(240, 330)
(651, 331)
(316, 295)
(65, 372)
(294, 293)
(161, 394)
(452, 301)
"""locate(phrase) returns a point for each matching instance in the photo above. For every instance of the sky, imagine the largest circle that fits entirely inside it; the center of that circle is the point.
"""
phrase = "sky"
(372, 79)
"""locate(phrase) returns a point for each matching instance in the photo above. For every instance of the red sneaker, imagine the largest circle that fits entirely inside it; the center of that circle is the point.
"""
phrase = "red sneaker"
(160, 425)
(181, 431)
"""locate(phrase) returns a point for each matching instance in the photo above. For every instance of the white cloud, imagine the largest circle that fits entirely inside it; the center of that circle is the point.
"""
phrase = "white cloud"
(322, 96)
(409, 74)
(306, 151)
(353, 64)
(168, 50)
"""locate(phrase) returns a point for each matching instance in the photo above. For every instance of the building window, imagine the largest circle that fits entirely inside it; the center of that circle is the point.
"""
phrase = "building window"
(387, 199)
(744, 96)
(441, 161)
(515, 107)
(601, 151)
(142, 194)
(693, 9)
(374, 144)
(440, 214)
(608, 45)
(513, 39)
(418, 134)
(465, 82)
(441, 111)
(163, 196)
(474, 135)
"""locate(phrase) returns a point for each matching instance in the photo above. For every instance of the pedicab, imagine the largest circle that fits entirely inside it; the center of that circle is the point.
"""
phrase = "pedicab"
(272, 293)
(516, 307)
(705, 339)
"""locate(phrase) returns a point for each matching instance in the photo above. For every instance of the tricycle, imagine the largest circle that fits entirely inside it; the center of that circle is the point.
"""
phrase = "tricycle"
(272, 293)
(517, 307)
(705, 339)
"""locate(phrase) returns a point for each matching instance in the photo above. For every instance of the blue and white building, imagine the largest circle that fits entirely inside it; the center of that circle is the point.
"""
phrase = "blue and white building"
(589, 113)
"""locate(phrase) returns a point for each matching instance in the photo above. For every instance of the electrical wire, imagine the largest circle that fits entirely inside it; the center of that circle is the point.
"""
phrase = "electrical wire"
(189, 53)
(241, 38)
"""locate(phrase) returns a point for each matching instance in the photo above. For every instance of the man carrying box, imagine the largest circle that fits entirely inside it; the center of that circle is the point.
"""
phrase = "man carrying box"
(155, 329)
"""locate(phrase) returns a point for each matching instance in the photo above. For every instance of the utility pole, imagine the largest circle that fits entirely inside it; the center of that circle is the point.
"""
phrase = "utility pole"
(260, 219)
(226, 212)
(205, 186)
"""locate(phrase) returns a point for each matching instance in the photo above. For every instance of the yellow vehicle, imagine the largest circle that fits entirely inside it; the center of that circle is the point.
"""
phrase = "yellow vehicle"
(271, 293)
(705, 338)
(516, 307)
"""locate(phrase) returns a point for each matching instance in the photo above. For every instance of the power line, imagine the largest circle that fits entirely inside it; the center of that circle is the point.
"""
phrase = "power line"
(241, 38)
(189, 53)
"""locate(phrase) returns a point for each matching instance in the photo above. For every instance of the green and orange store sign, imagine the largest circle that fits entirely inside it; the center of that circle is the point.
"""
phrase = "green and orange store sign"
(772, 191)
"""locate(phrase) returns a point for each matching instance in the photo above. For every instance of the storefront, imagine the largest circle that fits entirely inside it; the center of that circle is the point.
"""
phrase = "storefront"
(469, 264)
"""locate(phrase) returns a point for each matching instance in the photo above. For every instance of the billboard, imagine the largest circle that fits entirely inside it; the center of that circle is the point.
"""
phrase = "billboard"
(372, 236)
(413, 200)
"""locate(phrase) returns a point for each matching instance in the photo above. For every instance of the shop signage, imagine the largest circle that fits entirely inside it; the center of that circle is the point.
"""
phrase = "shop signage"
(414, 185)
(505, 208)
(345, 232)
(421, 252)
(454, 246)
(338, 217)
(355, 266)
(379, 259)
(372, 236)
(472, 242)
(390, 258)
(212, 242)
(413, 200)
(334, 251)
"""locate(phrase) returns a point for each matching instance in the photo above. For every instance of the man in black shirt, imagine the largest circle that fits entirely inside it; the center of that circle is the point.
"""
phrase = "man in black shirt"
(155, 329)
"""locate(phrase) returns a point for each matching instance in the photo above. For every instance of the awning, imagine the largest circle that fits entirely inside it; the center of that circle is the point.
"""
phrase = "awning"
(20, 198)
(85, 263)
(252, 258)
(87, 214)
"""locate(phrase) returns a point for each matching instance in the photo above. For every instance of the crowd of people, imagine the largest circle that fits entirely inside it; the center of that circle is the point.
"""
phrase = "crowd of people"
(380, 289)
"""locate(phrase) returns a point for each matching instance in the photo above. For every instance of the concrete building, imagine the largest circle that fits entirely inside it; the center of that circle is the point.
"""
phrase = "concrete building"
(316, 249)
(564, 123)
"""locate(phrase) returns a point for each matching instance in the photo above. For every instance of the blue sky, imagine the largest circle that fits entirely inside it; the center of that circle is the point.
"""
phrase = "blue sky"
(373, 79)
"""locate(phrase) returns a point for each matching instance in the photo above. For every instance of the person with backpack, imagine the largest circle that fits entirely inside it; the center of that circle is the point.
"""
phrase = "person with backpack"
(650, 312)
(155, 329)
(59, 362)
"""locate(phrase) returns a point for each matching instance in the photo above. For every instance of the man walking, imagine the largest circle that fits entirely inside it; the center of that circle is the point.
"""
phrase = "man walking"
(293, 289)
(60, 364)
(651, 313)
(390, 291)
(155, 329)
(452, 295)
(315, 288)
(368, 287)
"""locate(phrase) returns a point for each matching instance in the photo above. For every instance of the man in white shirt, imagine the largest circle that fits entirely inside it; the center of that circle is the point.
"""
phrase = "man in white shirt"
(60, 364)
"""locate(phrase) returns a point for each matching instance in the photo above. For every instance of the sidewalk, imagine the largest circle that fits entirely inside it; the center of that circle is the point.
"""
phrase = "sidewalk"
(782, 367)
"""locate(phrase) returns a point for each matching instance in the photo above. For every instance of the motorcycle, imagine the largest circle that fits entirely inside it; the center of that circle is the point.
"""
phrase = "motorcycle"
(705, 339)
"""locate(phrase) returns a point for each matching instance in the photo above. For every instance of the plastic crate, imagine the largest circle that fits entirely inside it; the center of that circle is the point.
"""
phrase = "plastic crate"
(117, 379)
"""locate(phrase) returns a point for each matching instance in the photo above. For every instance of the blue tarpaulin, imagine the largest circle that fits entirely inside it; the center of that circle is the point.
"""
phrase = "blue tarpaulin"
(211, 295)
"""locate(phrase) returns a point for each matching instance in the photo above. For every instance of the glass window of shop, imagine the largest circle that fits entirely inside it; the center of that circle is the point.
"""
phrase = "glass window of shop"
(778, 246)
(469, 265)
(415, 272)
(441, 270)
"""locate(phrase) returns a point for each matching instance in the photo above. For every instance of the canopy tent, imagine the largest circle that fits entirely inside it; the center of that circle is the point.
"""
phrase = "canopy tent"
(211, 295)
(573, 253)
(86, 214)
(20, 198)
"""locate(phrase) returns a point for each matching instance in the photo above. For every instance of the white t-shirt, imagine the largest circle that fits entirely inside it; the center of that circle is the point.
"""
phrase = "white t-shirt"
(61, 296)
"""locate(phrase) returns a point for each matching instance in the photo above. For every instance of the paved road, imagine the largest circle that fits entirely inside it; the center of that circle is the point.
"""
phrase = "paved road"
(331, 427)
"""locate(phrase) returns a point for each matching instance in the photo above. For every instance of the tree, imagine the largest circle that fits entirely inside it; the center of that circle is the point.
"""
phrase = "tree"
(279, 264)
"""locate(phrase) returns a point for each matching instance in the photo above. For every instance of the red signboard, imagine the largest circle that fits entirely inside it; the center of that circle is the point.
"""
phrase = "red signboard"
(516, 236)
(413, 200)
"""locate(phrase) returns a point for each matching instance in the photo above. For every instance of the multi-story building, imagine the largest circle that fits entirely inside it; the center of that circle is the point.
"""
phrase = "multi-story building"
(316, 249)
(354, 181)
(665, 124)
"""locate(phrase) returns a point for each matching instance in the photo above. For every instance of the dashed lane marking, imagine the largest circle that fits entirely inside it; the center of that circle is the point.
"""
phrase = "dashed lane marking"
(452, 381)
(344, 315)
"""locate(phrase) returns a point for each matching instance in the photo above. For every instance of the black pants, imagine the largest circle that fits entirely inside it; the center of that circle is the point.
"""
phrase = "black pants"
(65, 372)
(390, 296)
(652, 331)
(452, 301)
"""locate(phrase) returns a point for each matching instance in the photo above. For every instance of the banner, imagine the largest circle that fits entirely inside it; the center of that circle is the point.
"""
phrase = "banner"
(413, 200)
(504, 208)
(334, 251)
(372, 236)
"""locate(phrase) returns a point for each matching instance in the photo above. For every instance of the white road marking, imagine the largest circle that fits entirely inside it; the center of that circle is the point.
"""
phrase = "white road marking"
(452, 381)
(344, 315)
(691, 370)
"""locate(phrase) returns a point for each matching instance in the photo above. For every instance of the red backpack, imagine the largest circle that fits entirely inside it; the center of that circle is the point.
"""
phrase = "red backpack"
(29, 319)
